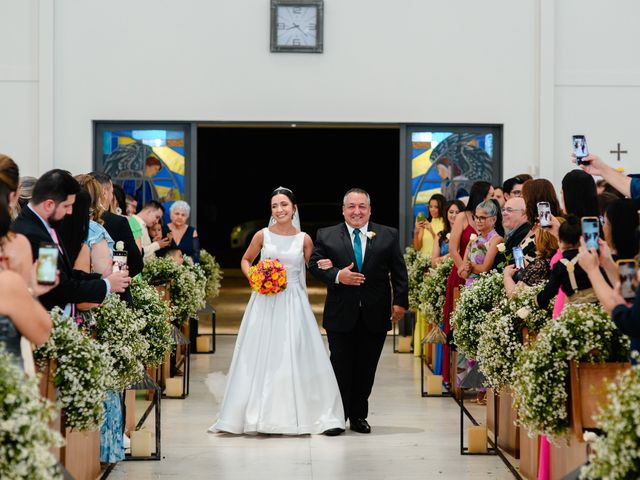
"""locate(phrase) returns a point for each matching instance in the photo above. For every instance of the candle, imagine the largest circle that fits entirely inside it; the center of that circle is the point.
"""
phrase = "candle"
(434, 384)
(141, 443)
(203, 343)
(174, 387)
(477, 439)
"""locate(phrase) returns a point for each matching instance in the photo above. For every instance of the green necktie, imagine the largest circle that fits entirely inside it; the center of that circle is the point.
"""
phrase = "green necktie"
(357, 248)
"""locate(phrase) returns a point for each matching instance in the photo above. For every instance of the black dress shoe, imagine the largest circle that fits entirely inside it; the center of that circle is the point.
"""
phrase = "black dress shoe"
(359, 425)
(333, 432)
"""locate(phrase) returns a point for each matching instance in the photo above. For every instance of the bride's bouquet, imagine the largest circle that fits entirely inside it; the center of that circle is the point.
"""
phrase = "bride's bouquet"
(268, 277)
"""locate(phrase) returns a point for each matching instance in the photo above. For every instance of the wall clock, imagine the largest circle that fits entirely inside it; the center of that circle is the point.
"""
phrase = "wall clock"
(297, 26)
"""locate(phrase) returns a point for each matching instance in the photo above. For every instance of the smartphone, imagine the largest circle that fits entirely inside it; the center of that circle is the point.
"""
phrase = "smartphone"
(47, 267)
(627, 271)
(590, 231)
(580, 149)
(119, 260)
(421, 217)
(544, 214)
(518, 257)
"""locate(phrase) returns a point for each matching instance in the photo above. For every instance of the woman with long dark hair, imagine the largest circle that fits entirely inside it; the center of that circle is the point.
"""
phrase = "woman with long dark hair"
(440, 250)
(426, 231)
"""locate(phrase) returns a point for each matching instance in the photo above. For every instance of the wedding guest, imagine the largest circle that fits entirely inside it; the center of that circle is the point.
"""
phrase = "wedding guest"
(440, 250)
(498, 194)
(118, 226)
(176, 255)
(512, 187)
(567, 274)
(538, 270)
(533, 192)
(25, 190)
(482, 250)
(182, 235)
(150, 214)
(132, 205)
(426, 231)
(53, 197)
(461, 232)
(15, 250)
(20, 314)
(516, 227)
(118, 202)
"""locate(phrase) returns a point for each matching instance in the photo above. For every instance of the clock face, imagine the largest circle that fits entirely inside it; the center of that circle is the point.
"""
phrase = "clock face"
(297, 26)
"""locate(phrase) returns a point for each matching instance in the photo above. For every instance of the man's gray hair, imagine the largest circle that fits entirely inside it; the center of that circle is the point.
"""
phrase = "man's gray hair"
(180, 205)
(356, 190)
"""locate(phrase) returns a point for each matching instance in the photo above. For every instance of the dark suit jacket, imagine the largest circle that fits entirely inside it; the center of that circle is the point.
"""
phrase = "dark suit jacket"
(75, 286)
(385, 273)
(118, 227)
(513, 240)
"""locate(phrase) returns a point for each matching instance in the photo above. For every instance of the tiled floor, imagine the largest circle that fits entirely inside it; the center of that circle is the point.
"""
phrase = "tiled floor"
(412, 438)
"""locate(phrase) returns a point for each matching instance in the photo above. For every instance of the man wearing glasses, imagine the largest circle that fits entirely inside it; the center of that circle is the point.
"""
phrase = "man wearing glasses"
(516, 226)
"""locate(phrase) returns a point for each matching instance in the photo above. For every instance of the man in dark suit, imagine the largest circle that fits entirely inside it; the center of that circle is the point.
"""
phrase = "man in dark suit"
(363, 267)
(53, 197)
(117, 226)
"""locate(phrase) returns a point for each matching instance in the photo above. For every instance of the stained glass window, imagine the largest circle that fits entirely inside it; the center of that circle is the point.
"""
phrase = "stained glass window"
(149, 162)
(449, 161)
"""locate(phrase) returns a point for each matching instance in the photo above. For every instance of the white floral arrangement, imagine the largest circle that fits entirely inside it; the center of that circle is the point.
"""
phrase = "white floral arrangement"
(584, 333)
(434, 290)
(614, 454)
(212, 271)
(156, 315)
(188, 292)
(25, 438)
(82, 372)
(501, 334)
(417, 267)
(160, 271)
(475, 302)
(120, 330)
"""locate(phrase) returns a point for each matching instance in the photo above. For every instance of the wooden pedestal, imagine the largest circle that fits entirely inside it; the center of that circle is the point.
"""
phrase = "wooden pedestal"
(491, 420)
(509, 439)
(566, 459)
(82, 454)
(529, 448)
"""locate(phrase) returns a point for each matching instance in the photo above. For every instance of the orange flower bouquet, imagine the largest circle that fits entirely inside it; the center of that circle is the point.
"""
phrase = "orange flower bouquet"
(268, 277)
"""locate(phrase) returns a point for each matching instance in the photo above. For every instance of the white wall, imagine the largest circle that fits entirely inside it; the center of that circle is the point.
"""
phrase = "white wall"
(536, 66)
(19, 82)
(597, 80)
(410, 61)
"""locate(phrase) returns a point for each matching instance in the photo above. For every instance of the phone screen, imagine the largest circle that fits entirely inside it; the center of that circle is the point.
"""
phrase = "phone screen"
(47, 264)
(580, 149)
(518, 257)
(544, 214)
(119, 260)
(627, 272)
(591, 232)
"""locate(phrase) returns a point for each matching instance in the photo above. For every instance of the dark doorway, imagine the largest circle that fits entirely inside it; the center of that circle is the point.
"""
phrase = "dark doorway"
(238, 167)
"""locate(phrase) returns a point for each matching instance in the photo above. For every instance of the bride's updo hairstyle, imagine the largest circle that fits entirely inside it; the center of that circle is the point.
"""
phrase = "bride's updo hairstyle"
(286, 192)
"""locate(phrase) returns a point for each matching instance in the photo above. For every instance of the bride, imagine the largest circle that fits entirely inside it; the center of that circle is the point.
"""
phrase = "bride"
(281, 379)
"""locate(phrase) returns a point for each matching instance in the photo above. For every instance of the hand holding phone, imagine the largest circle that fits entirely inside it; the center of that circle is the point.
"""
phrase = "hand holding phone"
(518, 257)
(627, 271)
(544, 214)
(590, 232)
(580, 149)
(47, 268)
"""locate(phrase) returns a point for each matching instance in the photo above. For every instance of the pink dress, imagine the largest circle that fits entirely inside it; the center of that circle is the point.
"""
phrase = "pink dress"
(544, 470)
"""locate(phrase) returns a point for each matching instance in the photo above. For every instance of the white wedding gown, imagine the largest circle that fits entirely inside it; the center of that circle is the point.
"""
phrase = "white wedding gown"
(281, 379)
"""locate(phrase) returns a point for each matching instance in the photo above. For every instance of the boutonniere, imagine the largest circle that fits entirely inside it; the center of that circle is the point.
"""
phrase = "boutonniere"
(502, 247)
(448, 236)
(371, 235)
